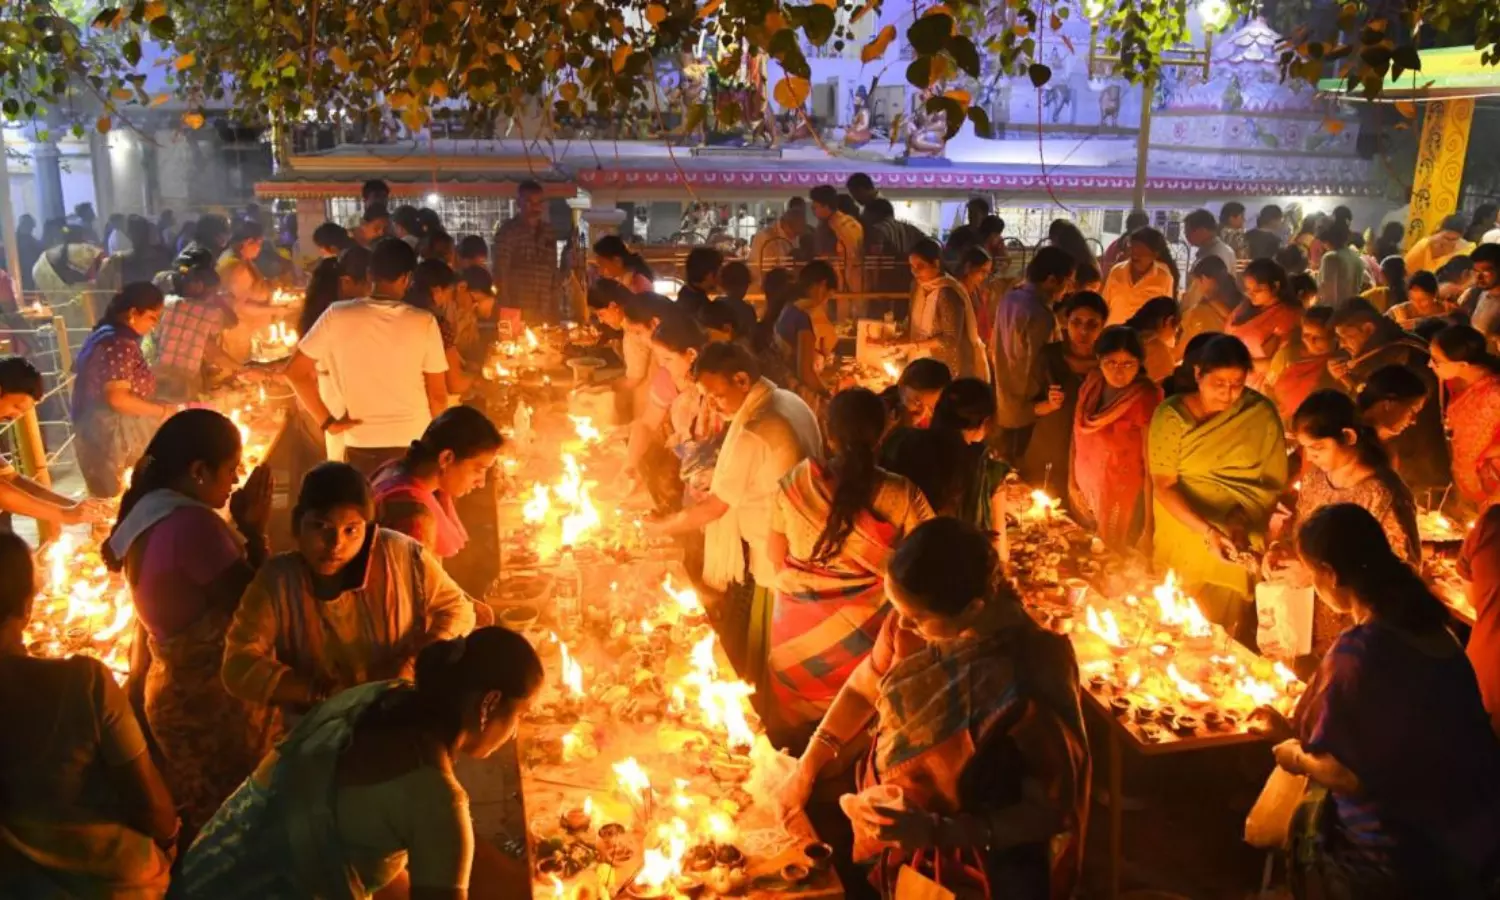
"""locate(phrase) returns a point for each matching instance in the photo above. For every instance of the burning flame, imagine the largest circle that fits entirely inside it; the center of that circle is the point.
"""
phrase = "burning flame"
(531, 342)
(890, 370)
(1259, 692)
(1043, 505)
(572, 672)
(557, 887)
(584, 426)
(722, 702)
(1105, 625)
(631, 776)
(1189, 691)
(687, 598)
(535, 510)
(1179, 610)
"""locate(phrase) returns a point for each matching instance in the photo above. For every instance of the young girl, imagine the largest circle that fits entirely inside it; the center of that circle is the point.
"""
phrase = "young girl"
(414, 495)
(1343, 462)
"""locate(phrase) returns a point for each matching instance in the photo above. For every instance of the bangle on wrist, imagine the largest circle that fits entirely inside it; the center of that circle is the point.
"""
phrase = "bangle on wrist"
(827, 739)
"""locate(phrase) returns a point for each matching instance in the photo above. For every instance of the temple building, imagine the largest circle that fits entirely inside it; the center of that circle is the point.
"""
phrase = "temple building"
(1227, 128)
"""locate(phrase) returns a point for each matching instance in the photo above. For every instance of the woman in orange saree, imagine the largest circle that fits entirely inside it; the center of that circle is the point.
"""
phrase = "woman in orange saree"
(1269, 317)
(1115, 405)
(1462, 361)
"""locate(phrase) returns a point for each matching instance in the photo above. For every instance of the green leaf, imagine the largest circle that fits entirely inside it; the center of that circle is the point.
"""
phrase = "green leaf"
(1039, 74)
(929, 33)
(951, 109)
(1405, 59)
(795, 64)
(965, 54)
(919, 73)
(981, 120)
(818, 22)
(131, 50)
(163, 28)
(108, 17)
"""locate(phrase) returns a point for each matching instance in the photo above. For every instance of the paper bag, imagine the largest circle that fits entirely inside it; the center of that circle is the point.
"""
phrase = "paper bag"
(1285, 617)
(913, 885)
(1269, 824)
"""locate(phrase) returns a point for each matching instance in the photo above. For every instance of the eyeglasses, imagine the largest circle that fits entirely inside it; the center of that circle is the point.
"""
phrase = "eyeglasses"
(1119, 365)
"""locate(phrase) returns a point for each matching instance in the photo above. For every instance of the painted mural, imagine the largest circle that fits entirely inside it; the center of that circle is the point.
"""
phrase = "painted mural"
(1242, 115)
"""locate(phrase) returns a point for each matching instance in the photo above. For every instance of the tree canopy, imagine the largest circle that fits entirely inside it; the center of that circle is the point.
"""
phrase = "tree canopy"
(382, 61)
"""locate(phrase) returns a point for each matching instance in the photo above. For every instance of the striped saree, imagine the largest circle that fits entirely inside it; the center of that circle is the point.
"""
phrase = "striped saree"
(827, 614)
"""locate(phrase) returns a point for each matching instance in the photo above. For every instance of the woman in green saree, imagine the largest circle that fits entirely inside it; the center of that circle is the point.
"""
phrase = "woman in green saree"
(362, 794)
(1218, 462)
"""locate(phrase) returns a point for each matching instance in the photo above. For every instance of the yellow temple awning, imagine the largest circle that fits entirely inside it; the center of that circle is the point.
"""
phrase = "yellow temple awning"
(1448, 73)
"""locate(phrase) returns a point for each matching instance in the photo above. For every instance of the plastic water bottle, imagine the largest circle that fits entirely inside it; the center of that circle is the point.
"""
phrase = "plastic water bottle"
(568, 591)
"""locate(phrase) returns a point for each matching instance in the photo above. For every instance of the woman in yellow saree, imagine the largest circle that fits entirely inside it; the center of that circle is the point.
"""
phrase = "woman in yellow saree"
(1218, 462)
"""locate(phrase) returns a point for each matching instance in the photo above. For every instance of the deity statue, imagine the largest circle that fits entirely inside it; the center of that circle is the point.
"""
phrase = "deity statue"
(691, 93)
(927, 132)
(859, 131)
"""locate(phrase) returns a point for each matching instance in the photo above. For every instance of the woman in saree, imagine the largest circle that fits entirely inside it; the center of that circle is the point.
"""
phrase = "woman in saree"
(362, 795)
(1218, 297)
(85, 813)
(353, 603)
(1268, 318)
(1109, 489)
(113, 410)
(1471, 374)
(1065, 365)
(976, 723)
(1343, 462)
(1301, 367)
(1393, 728)
(187, 568)
(1158, 324)
(1218, 463)
(833, 527)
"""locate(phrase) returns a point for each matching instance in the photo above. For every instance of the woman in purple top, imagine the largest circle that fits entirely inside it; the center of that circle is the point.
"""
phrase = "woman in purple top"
(113, 411)
(1393, 727)
(187, 568)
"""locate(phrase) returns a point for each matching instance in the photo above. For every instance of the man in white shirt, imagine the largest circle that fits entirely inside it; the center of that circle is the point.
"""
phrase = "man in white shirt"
(385, 359)
(1201, 229)
(780, 243)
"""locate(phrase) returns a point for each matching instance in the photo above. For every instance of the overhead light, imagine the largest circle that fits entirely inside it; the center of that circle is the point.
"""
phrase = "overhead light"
(433, 200)
(1214, 14)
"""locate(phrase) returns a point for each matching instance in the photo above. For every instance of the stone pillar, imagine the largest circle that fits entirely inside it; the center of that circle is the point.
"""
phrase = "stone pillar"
(46, 170)
(602, 220)
(104, 176)
(1440, 166)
